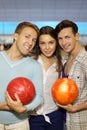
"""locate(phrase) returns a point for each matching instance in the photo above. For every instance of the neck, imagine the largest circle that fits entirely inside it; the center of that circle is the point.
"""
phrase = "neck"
(13, 53)
(47, 61)
(76, 51)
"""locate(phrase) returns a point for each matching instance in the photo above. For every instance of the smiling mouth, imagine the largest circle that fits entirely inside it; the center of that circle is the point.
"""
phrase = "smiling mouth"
(48, 52)
(27, 47)
(66, 47)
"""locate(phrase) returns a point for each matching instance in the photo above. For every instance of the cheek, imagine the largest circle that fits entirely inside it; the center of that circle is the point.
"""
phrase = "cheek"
(42, 50)
(41, 47)
(34, 44)
(32, 47)
(60, 42)
(53, 48)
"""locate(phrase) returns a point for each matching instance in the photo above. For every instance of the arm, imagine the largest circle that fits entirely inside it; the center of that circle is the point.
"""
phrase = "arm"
(83, 90)
(38, 83)
(75, 108)
(4, 106)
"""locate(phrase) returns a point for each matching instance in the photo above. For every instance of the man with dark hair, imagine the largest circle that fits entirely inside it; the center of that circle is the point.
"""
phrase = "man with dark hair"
(76, 69)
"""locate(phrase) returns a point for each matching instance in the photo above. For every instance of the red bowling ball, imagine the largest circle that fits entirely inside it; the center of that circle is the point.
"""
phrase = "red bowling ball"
(23, 87)
(64, 91)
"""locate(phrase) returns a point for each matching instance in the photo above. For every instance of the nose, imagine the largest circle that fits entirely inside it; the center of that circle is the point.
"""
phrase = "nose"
(47, 46)
(63, 41)
(30, 41)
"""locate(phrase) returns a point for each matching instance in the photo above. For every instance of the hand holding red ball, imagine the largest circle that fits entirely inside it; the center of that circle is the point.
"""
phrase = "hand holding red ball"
(23, 87)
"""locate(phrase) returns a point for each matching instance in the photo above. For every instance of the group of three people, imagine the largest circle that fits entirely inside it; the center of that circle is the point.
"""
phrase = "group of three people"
(45, 46)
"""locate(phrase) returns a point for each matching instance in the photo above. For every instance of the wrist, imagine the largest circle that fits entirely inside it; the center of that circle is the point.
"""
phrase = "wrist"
(22, 109)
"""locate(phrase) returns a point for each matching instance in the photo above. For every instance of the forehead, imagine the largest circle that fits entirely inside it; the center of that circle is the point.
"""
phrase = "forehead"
(45, 37)
(65, 31)
(29, 30)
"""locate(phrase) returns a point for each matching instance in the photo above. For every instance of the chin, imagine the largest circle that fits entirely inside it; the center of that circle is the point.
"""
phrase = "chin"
(25, 54)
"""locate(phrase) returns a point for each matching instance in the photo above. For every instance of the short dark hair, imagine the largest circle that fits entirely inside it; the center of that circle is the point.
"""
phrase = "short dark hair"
(66, 24)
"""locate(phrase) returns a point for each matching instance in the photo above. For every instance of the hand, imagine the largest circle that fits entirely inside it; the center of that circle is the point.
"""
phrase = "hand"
(4, 106)
(15, 105)
(69, 107)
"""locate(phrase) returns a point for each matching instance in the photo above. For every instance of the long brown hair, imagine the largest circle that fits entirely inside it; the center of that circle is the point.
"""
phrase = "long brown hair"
(50, 31)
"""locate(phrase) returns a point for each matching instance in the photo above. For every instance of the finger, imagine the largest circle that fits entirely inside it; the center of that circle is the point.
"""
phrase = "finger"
(7, 95)
(8, 98)
(17, 97)
(60, 105)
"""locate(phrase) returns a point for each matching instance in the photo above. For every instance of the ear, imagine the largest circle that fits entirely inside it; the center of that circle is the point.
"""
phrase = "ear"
(77, 36)
(15, 36)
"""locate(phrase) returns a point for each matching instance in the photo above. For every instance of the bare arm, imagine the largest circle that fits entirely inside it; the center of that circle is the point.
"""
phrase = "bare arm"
(4, 106)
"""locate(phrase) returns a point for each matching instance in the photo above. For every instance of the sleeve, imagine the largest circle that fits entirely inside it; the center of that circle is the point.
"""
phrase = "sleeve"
(38, 83)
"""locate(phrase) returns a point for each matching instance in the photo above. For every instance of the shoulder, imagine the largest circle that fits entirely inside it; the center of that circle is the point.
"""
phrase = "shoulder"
(33, 61)
(83, 57)
(84, 54)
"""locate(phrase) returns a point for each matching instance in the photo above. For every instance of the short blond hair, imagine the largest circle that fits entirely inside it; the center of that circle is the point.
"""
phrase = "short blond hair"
(22, 25)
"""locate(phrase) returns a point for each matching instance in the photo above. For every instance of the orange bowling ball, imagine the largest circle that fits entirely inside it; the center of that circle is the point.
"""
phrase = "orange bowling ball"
(64, 91)
(23, 87)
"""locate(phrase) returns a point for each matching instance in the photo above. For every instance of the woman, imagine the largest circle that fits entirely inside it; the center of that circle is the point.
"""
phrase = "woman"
(48, 116)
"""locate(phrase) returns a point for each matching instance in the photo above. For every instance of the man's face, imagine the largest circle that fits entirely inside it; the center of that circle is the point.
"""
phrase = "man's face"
(26, 40)
(67, 39)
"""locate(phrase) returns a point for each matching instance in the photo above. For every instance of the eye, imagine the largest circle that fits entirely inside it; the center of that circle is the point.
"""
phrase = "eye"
(42, 43)
(67, 37)
(59, 38)
(34, 40)
(51, 42)
(27, 36)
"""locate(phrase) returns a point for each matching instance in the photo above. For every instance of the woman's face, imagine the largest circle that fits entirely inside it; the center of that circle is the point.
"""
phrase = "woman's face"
(47, 45)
